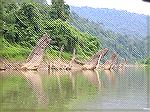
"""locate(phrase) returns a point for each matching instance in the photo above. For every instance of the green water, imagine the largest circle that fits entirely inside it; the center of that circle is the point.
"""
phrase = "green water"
(79, 91)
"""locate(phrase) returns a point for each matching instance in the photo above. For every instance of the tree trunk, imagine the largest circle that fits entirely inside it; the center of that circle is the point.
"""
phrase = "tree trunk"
(36, 56)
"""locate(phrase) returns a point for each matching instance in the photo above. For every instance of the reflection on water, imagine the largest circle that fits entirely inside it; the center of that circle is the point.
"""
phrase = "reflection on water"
(75, 90)
(35, 82)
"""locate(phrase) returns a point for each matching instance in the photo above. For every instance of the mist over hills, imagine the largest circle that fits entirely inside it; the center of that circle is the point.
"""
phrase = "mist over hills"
(120, 21)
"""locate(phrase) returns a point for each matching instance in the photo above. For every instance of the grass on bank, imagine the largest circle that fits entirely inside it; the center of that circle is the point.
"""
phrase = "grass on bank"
(18, 53)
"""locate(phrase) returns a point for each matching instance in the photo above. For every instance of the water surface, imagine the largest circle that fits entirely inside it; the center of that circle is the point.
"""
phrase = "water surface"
(124, 89)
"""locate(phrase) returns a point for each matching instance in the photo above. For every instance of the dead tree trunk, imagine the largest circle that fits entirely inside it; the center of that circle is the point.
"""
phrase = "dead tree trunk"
(73, 56)
(121, 65)
(94, 62)
(36, 56)
(109, 64)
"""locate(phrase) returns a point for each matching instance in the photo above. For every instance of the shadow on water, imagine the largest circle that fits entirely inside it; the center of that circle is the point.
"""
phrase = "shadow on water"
(74, 90)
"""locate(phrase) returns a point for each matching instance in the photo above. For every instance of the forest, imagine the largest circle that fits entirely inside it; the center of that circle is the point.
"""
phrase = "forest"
(132, 48)
(25, 21)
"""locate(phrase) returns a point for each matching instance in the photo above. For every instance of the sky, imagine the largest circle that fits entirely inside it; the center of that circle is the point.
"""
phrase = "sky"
(133, 6)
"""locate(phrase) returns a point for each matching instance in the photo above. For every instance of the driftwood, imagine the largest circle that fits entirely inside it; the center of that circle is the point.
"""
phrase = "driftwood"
(8, 65)
(73, 57)
(75, 64)
(36, 56)
(109, 64)
(89, 65)
(71, 63)
(59, 64)
(95, 60)
(121, 65)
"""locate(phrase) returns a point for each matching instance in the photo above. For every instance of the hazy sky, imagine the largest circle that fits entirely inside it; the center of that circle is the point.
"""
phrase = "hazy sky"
(136, 6)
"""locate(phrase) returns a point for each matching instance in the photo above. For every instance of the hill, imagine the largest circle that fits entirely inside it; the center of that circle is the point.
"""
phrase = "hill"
(120, 21)
(25, 23)
(124, 45)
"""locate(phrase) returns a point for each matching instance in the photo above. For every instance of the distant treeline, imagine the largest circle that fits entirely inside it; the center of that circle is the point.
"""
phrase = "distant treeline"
(134, 50)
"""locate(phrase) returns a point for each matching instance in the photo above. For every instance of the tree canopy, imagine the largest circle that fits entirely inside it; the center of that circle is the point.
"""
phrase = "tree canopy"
(25, 23)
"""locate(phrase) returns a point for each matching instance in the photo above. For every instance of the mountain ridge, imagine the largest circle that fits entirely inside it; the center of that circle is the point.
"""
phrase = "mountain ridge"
(120, 21)
(123, 45)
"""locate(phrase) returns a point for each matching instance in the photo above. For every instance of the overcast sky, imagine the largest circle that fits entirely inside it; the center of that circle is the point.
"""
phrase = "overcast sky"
(136, 6)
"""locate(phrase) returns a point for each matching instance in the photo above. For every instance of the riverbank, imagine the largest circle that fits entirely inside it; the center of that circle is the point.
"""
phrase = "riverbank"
(14, 64)
(7, 64)
(136, 65)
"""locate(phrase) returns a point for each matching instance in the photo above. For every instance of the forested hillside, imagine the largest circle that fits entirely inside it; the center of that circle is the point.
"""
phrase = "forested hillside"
(119, 30)
(25, 22)
(119, 21)
(124, 45)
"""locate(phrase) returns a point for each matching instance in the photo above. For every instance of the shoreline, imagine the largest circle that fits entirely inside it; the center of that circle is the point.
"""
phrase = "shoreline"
(45, 64)
(16, 65)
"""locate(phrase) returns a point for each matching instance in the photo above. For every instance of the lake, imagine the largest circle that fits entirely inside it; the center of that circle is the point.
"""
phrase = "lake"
(124, 89)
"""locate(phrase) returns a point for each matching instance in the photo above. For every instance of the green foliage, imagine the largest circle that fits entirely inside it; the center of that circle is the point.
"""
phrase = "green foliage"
(25, 23)
(60, 10)
(127, 47)
(145, 60)
(24, 1)
(64, 34)
(24, 26)
(12, 52)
